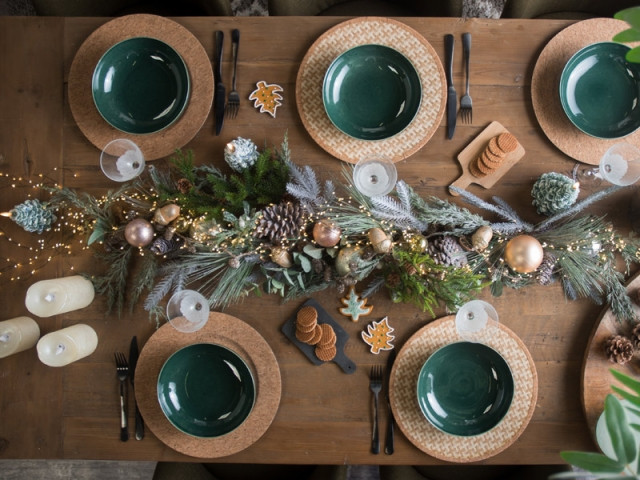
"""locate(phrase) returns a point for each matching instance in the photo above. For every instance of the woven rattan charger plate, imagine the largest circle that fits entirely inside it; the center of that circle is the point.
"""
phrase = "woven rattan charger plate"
(545, 89)
(166, 141)
(229, 332)
(362, 31)
(404, 402)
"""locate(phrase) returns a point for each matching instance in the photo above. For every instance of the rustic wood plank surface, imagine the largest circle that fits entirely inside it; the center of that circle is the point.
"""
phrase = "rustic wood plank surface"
(324, 414)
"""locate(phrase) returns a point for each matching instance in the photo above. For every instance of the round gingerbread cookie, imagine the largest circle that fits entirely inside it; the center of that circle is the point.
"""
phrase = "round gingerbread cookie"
(305, 337)
(306, 318)
(328, 335)
(507, 142)
(326, 353)
(317, 335)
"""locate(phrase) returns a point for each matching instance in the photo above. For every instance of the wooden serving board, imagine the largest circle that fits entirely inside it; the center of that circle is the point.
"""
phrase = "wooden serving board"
(289, 330)
(596, 376)
(474, 149)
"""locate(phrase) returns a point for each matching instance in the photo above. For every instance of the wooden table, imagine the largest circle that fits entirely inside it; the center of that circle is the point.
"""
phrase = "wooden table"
(71, 412)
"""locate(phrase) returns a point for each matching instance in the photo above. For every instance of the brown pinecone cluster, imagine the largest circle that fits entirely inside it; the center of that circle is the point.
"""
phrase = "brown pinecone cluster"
(620, 348)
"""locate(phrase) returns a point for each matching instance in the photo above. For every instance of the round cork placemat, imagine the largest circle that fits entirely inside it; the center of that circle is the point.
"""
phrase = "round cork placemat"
(414, 425)
(229, 332)
(545, 89)
(166, 141)
(362, 31)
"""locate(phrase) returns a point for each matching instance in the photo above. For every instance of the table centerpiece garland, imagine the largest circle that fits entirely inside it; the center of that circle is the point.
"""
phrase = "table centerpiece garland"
(272, 227)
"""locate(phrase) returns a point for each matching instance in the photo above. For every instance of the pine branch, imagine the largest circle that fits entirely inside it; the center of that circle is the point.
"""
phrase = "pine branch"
(113, 283)
(389, 209)
(504, 213)
(144, 279)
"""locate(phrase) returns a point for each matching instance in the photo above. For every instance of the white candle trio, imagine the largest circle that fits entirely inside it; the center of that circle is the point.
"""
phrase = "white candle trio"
(45, 299)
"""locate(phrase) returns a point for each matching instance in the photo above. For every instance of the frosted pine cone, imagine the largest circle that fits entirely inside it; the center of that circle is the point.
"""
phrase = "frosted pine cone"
(447, 251)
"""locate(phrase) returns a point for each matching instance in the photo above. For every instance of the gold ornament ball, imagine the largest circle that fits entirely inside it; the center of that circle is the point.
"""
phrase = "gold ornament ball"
(326, 233)
(345, 256)
(138, 232)
(523, 254)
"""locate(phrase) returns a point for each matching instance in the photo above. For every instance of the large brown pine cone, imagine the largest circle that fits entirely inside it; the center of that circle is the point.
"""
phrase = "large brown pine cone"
(619, 349)
(279, 222)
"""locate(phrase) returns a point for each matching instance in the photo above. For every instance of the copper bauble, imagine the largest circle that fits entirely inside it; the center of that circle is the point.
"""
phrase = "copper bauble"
(326, 233)
(167, 214)
(139, 232)
(380, 241)
(523, 254)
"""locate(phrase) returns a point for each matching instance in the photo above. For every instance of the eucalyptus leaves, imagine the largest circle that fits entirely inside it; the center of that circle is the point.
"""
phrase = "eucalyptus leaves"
(619, 441)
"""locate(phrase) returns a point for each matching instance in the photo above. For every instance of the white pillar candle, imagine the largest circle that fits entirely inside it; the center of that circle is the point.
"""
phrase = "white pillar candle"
(61, 295)
(17, 334)
(62, 347)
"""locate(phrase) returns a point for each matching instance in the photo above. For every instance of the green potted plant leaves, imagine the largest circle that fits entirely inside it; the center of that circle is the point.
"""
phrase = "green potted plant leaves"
(630, 35)
(619, 438)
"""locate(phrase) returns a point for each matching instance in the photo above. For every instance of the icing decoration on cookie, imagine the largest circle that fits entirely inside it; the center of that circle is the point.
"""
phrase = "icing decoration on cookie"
(266, 97)
(354, 306)
(378, 336)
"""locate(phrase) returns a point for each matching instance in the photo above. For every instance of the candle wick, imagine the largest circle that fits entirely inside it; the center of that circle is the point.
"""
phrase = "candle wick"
(61, 348)
(4, 337)
(50, 297)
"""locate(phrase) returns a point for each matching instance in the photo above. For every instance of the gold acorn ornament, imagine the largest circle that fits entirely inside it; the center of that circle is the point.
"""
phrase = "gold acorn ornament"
(139, 232)
(481, 238)
(379, 240)
(166, 214)
(523, 253)
(282, 257)
(326, 233)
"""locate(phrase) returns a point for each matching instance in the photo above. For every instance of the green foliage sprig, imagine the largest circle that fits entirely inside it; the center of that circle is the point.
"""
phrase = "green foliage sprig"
(621, 453)
(632, 17)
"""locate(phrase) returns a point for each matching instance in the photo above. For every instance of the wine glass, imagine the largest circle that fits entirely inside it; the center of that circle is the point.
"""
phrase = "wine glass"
(375, 175)
(620, 165)
(188, 311)
(475, 320)
(121, 160)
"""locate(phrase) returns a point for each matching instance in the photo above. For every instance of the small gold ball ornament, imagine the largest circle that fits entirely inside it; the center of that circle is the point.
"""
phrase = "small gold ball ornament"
(380, 241)
(326, 233)
(166, 214)
(523, 253)
(139, 232)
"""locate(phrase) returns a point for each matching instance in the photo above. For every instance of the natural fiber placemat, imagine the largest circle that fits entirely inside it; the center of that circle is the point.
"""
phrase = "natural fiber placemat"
(229, 332)
(166, 141)
(545, 85)
(362, 31)
(414, 425)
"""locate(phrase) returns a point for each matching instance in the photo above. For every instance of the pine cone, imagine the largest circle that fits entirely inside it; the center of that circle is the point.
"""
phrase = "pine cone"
(447, 251)
(554, 192)
(619, 349)
(33, 216)
(635, 336)
(545, 270)
(184, 186)
(279, 222)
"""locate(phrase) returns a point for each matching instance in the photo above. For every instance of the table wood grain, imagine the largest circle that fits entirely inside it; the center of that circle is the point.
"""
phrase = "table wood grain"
(324, 415)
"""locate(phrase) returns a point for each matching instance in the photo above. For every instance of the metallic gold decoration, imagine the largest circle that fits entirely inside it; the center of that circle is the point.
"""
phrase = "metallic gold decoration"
(282, 257)
(379, 240)
(523, 253)
(139, 232)
(326, 233)
(481, 238)
(167, 214)
(345, 256)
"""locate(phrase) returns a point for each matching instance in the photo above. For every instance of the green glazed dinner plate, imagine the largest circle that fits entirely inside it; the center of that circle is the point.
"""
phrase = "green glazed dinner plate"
(465, 388)
(599, 91)
(140, 85)
(371, 92)
(205, 390)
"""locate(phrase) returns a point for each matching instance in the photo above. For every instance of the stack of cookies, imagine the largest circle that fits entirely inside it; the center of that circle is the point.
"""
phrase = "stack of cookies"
(493, 155)
(322, 335)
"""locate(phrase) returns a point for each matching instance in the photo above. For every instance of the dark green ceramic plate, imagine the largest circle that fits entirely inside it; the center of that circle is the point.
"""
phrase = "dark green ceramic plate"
(140, 85)
(371, 92)
(599, 91)
(205, 390)
(465, 388)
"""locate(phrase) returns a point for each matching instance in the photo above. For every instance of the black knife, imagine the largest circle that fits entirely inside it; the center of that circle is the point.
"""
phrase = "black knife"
(452, 102)
(388, 443)
(218, 99)
(133, 361)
